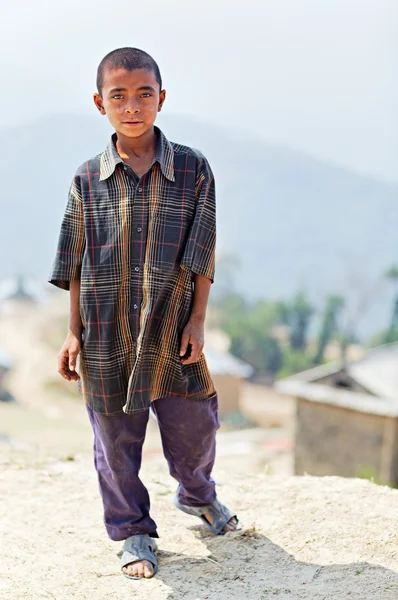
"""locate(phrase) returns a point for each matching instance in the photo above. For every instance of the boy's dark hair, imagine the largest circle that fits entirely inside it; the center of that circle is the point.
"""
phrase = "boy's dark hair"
(129, 59)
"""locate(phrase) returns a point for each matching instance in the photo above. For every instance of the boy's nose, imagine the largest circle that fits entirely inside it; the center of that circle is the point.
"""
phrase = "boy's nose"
(132, 107)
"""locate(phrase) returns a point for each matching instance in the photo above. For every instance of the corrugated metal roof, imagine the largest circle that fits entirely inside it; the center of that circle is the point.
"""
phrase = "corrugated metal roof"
(223, 363)
(325, 394)
(377, 372)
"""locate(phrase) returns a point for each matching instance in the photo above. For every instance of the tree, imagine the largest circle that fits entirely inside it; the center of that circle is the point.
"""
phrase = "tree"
(257, 348)
(265, 314)
(226, 267)
(391, 334)
(329, 326)
(249, 329)
(283, 310)
(294, 361)
(301, 312)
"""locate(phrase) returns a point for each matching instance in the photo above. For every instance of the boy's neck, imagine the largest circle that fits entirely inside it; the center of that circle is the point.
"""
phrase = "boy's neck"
(128, 147)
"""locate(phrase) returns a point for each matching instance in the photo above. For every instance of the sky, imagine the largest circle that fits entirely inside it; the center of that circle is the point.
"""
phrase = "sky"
(312, 75)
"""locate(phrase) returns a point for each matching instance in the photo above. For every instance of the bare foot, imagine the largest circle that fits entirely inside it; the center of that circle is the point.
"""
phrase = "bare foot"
(230, 526)
(140, 568)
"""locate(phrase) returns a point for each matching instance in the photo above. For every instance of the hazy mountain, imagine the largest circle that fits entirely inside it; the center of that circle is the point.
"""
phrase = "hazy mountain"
(292, 221)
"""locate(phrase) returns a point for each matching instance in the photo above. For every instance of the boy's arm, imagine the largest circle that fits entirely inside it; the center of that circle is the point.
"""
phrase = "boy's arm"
(199, 258)
(70, 350)
(199, 253)
(66, 275)
(193, 333)
(71, 242)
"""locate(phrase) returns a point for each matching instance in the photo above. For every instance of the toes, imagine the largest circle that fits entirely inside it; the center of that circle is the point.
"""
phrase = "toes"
(148, 569)
(148, 572)
(131, 570)
(142, 569)
(231, 525)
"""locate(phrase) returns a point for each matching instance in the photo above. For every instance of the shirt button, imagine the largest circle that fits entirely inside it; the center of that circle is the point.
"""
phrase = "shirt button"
(140, 189)
(139, 229)
(135, 306)
(136, 268)
(125, 167)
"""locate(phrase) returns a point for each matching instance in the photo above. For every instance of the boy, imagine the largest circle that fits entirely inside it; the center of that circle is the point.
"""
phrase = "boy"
(136, 250)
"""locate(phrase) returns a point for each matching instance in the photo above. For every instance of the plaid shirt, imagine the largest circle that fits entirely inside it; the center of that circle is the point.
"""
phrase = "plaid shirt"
(135, 244)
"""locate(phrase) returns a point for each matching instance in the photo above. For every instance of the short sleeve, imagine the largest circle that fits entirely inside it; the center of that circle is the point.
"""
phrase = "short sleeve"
(71, 243)
(199, 253)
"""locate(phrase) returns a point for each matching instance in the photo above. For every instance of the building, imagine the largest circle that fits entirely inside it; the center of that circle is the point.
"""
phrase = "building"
(347, 417)
(19, 292)
(5, 367)
(228, 374)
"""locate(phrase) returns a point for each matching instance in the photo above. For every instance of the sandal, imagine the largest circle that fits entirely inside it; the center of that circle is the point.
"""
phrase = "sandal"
(220, 513)
(137, 548)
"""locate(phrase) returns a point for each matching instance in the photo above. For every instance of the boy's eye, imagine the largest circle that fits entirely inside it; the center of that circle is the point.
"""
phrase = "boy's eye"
(117, 96)
(146, 95)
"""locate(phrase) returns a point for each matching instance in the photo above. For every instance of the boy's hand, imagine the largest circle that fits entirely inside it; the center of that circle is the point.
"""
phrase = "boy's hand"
(67, 357)
(193, 339)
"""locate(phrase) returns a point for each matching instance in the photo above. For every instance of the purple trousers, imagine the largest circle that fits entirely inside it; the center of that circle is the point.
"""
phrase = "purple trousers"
(188, 431)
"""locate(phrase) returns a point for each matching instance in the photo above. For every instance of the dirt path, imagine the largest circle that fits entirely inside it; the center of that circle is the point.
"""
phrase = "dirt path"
(323, 539)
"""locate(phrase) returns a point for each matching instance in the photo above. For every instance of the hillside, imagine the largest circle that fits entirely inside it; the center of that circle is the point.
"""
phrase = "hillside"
(292, 221)
(304, 538)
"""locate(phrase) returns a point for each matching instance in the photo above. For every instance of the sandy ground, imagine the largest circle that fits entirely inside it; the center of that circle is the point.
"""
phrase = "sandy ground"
(304, 538)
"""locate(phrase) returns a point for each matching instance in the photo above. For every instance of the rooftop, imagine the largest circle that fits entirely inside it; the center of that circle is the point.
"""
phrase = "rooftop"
(223, 363)
(376, 373)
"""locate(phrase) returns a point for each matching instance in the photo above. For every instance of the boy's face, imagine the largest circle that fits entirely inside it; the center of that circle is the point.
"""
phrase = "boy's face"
(131, 100)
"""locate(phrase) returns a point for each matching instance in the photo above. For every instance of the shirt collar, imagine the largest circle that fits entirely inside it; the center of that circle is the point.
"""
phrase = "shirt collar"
(164, 155)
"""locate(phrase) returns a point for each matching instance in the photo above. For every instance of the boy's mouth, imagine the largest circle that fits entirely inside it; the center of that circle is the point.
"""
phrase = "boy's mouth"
(132, 123)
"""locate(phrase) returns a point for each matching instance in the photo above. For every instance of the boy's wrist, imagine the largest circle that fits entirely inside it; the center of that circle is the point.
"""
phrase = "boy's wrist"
(75, 329)
(198, 318)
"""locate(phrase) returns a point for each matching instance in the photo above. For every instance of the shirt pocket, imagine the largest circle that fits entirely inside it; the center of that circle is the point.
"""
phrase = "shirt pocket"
(170, 231)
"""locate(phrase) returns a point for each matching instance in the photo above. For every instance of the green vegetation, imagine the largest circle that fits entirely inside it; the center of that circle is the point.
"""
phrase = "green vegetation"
(280, 338)
(329, 327)
(391, 334)
(273, 337)
(366, 472)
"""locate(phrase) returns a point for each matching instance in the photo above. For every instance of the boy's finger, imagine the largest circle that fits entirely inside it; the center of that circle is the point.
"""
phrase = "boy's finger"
(64, 373)
(63, 366)
(72, 361)
(184, 344)
(62, 363)
(196, 350)
(188, 361)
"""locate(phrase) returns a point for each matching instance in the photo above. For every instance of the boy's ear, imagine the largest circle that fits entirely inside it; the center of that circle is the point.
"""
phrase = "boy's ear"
(99, 103)
(162, 99)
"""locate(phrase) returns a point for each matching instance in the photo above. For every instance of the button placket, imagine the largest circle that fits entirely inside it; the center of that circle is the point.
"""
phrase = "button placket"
(138, 199)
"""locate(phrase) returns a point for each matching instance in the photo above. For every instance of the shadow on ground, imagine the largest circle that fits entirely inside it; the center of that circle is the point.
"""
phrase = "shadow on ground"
(250, 566)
